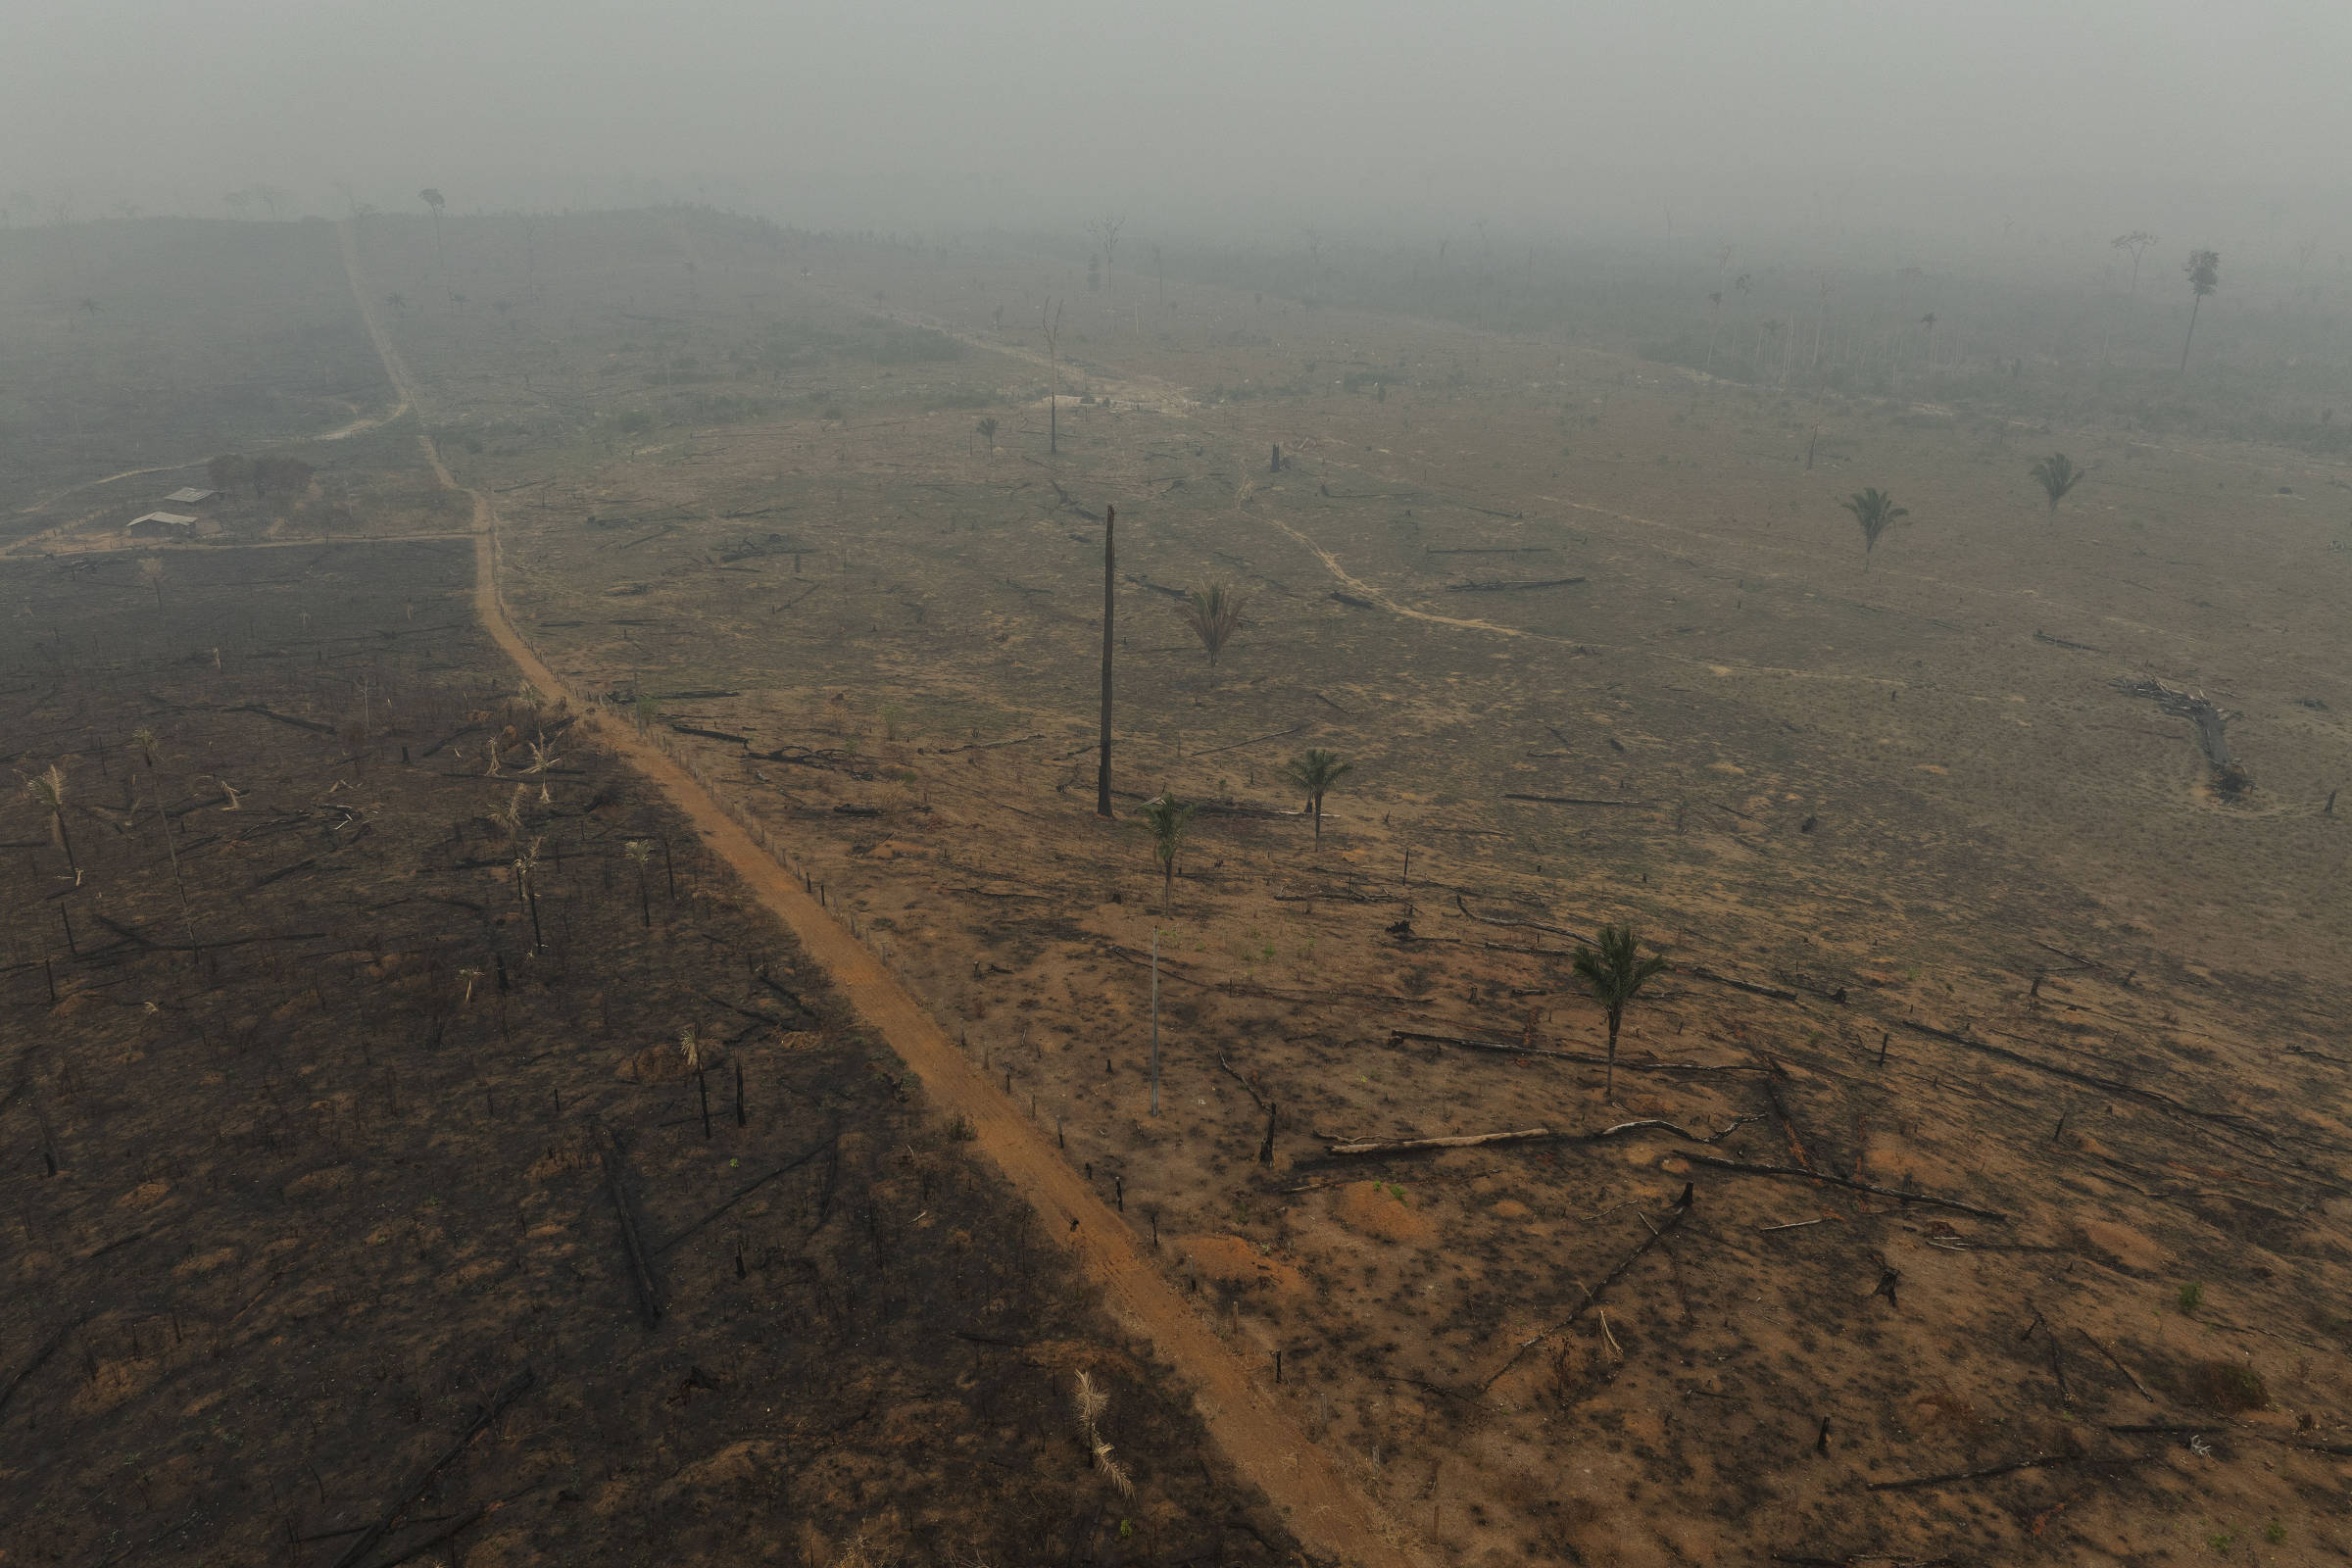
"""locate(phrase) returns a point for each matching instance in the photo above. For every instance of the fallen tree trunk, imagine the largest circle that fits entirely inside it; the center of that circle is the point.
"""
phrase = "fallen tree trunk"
(2113, 1086)
(1657, 1234)
(1404, 1146)
(1510, 587)
(1700, 971)
(514, 1389)
(1802, 1174)
(641, 1269)
(2039, 1462)
(1589, 1057)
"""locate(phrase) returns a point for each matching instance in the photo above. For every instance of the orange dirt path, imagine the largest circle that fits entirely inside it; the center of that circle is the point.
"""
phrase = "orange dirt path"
(1330, 1515)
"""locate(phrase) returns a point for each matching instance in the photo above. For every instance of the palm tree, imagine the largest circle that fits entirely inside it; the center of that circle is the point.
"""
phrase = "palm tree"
(151, 572)
(48, 791)
(1169, 818)
(1315, 771)
(1214, 614)
(1614, 973)
(2057, 474)
(543, 758)
(1875, 509)
(2204, 270)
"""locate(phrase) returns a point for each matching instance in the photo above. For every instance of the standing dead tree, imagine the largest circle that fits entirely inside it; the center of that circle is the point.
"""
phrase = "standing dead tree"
(1111, 522)
(1104, 231)
(1050, 320)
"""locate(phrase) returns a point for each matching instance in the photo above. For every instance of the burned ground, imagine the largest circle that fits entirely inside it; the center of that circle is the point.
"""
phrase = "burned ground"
(306, 1169)
(1954, 915)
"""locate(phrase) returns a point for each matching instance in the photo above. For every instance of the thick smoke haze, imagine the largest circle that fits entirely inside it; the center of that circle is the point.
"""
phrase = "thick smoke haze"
(1809, 117)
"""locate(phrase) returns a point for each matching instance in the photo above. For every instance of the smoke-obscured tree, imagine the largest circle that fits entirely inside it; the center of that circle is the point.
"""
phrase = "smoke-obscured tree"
(230, 471)
(1214, 614)
(2056, 474)
(1613, 970)
(988, 432)
(1049, 323)
(434, 200)
(1315, 770)
(2138, 243)
(1169, 818)
(2204, 270)
(1875, 509)
(284, 476)
(151, 572)
(1107, 236)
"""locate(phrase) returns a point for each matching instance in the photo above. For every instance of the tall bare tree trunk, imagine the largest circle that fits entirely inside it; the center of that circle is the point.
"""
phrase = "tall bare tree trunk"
(1110, 520)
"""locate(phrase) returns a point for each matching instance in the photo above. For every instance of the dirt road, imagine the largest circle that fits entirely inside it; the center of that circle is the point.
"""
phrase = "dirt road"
(1330, 1515)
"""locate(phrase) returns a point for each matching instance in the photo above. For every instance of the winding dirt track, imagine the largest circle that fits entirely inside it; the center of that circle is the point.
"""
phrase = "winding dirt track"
(1330, 1515)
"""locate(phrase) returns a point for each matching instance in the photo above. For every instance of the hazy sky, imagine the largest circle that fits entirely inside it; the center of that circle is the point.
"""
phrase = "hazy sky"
(1034, 109)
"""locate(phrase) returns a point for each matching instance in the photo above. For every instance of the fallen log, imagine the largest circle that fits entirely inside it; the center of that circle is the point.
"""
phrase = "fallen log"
(310, 724)
(2042, 636)
(1850, 1185)
(2111, 1086)
(1238, 1078)
(1738, 1122)
(48, 1349)
(1703, 972)
(1518, 925)
(1510, 587)
(710, 734)
(1270, 735)
(446, 1533)
(641, 1269)
(514, 1389)
(1657, 1232)
(1589, 1057)
(1572, 799)
(742, 1192)
(1406, 1146)
(2039, 1462)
